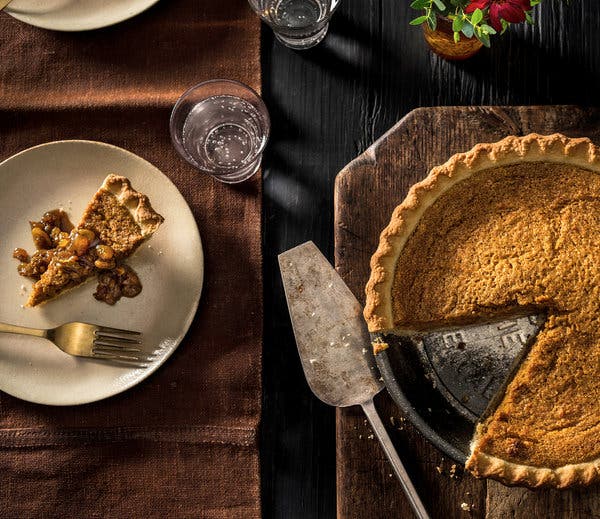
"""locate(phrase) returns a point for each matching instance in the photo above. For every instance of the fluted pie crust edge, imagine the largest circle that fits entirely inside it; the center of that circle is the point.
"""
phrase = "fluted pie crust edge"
(556, 148)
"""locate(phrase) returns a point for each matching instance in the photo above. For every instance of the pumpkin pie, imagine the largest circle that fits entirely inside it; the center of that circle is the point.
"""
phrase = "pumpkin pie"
(509, 228)
(115, 223)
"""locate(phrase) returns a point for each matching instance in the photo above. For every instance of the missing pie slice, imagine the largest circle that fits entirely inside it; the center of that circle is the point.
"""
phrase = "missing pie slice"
(115, 223)
(510, 227)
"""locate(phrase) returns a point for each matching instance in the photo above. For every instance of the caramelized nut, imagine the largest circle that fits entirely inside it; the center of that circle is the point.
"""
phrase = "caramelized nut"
(80, 244)
(86, 233)
(104, 252)
(104, 265)
(21, 255)
(64, 243)
(40, 238)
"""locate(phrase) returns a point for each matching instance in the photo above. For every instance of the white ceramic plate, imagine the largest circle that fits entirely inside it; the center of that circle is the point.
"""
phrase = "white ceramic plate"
(170, 265)
(75, 15)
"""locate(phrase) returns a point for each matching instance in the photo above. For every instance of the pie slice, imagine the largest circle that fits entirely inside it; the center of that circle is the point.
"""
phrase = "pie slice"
(115, 223)
(510, 228)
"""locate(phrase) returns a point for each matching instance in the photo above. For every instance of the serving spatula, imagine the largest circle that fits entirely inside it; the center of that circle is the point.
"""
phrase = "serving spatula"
(334, 345)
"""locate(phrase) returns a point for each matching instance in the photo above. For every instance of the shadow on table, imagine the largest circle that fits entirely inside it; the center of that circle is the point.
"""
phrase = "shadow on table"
(389, 69)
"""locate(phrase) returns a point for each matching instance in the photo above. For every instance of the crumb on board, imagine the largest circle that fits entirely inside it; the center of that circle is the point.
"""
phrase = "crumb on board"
(379, 346)
(466, 507)
(454, 471)
(398, 423)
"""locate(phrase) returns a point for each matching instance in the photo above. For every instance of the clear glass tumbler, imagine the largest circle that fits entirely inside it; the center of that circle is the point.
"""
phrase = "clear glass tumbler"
(299, 24)
(221, 127)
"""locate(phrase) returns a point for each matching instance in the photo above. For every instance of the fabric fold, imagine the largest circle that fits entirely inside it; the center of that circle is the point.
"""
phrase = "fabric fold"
(182, 443)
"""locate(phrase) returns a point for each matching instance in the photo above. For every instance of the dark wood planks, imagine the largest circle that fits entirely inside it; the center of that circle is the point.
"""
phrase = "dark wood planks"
(328, 105)
(366, 192)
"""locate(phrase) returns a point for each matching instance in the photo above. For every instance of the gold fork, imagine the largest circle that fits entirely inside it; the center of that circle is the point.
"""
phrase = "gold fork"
(90, 340)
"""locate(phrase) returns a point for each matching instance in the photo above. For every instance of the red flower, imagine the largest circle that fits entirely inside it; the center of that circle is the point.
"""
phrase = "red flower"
(512, 11)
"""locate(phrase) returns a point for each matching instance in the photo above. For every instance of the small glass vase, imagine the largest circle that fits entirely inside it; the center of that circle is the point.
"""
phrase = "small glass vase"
(441, 41)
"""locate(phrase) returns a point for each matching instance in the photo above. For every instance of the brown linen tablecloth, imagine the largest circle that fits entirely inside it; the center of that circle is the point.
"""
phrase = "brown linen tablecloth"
(184, 442)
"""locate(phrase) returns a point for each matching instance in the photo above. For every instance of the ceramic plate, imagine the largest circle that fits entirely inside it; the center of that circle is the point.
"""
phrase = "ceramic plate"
(170, 265)
(76, 15)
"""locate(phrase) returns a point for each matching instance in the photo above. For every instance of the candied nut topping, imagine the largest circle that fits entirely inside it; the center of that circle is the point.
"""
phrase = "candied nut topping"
(113, 284)
(78, 254)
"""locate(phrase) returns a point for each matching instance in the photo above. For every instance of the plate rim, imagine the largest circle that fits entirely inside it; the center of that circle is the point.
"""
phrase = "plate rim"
(145, 372)
(24, 18)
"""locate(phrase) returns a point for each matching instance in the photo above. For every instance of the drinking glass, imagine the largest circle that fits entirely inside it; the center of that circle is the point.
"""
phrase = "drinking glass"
(221, 127)
(299, 24)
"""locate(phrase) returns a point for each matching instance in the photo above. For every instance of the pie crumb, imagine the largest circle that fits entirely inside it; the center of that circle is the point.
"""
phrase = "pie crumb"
(379, 346)
(466, 507)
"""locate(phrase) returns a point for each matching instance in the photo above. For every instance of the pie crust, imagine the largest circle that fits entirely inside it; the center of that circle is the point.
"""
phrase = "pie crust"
(119, 217)
(380, 312)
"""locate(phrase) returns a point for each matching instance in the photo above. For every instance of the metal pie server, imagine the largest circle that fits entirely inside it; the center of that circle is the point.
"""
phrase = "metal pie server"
(333, 343)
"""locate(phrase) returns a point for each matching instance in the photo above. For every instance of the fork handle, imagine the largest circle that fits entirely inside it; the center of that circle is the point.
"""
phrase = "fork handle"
(11, 328)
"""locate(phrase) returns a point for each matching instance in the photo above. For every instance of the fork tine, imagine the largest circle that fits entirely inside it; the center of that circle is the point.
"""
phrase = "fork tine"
(108, 339)
(114, 347)
(124, 362)
(111, 355)
(107, 330)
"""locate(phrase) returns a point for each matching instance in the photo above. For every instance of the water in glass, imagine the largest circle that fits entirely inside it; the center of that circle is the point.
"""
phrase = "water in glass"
(299, 24)
(222, 133)
(221, 127)
(297, 13)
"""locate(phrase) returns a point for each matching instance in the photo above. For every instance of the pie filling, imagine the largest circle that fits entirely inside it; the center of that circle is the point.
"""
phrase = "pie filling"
(522, 238)
(116, 221)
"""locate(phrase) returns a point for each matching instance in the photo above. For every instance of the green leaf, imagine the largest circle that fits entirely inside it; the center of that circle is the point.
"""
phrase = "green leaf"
(420, 4)
(488, 29)
(457, 24)
(439, 4)
(467, 29)
(456, 37)
(432, 21)
(419, 20)
(477, 16)
(484, 38)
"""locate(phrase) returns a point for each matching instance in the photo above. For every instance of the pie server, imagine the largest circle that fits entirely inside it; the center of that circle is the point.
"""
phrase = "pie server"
(333, 344)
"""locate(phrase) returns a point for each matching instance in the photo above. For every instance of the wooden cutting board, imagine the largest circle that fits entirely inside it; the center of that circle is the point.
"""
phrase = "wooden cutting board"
(366, 192)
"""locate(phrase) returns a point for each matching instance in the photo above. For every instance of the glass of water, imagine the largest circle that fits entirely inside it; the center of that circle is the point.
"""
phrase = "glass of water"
(299, 24)
(221, 127)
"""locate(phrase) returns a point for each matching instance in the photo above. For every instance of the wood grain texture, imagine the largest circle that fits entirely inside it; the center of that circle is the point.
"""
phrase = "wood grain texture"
(366, 192)
(327, 106)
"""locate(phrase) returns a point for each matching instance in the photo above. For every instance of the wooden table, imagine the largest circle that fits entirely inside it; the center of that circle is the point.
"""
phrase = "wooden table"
(328, 105)
(403, 156)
